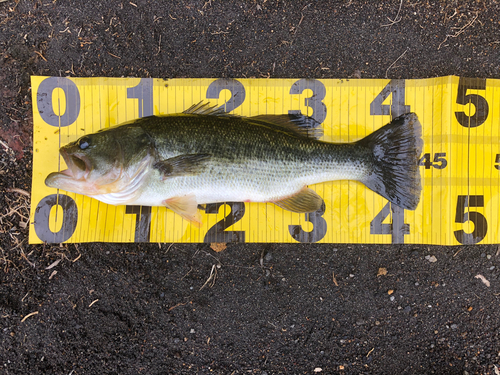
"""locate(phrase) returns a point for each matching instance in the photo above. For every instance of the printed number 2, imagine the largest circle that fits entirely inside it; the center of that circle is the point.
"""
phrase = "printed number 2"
(480, 223)
(235, 87)
(218, 232)
(398, 228)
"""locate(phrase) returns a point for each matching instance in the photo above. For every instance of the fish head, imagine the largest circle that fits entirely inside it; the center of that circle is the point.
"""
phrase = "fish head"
(95, 164)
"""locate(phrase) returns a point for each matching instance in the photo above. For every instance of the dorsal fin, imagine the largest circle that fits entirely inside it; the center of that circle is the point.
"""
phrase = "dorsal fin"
(202, 108)
(295, 123)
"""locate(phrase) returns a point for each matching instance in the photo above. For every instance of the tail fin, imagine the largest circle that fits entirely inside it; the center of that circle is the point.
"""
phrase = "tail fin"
(396, 151)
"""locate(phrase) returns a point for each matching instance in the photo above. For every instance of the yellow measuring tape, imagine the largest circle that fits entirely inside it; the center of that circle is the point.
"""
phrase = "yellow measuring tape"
(460, 163)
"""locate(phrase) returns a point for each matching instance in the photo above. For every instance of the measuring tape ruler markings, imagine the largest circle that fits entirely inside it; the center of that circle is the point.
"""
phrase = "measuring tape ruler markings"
(459, 160)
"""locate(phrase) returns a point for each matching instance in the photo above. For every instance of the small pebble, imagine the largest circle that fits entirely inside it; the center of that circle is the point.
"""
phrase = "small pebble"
(392, 298)
(492, 268)
(407, 309)
(351, 275)
(417, 284)
(191, 331)
(431, 258)
(488, 256)
(454, 326)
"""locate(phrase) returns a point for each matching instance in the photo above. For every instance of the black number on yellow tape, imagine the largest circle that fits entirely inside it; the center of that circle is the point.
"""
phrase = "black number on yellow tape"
(142, 222)
(315, 101)
(482, 108)
(377, 225)
(144, 93)
(235, 87)
(218, 233)
(69, 218)
(497, 161)
(480, 223)
(439, 161)
(319, 227)
(396, 88)
(46, 106)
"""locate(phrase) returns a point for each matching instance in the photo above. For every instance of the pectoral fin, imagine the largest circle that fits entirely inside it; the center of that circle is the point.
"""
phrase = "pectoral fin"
(182, 165)
(305, 201)
(186, 206)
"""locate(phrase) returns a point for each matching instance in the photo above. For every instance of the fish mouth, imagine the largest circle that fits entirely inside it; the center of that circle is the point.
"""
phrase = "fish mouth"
(78, 165)
(78, 170)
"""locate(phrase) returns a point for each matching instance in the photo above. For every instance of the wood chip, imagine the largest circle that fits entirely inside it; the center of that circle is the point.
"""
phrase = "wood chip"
(218, 247)
(53, 264)
(52, 274)
(390, 291)
(483, 279)
(382, 271)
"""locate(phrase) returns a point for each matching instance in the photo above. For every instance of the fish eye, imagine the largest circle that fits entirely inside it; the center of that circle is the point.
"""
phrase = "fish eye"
(84, 143)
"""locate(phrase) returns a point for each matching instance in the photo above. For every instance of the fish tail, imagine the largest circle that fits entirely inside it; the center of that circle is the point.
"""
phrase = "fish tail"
(396, 150)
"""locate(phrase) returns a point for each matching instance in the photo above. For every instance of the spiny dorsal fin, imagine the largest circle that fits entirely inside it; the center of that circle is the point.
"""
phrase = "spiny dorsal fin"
(202, 108)
(295, 123)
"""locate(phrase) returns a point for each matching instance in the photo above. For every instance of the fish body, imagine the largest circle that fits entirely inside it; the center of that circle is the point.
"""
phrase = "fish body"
(206, 156)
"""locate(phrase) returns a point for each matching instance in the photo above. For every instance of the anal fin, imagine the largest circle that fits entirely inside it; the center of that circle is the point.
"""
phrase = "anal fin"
(186, 206)
(305, 201)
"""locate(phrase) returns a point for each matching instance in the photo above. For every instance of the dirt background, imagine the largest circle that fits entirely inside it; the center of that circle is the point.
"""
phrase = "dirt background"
(270, 309)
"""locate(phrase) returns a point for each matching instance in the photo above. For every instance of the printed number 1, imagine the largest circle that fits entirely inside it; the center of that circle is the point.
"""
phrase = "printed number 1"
(143, 92)
(397, 228)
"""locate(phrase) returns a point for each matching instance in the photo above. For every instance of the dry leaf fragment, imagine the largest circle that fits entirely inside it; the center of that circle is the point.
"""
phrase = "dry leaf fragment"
(483, 279)
(218, 247)
(382, 271)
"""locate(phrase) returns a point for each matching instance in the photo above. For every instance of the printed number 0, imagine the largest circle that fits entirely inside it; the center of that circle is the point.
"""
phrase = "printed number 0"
(69, 219)
(46, 106)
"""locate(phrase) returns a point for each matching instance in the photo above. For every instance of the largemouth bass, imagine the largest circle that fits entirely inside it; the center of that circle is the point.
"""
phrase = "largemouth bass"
(204, 155)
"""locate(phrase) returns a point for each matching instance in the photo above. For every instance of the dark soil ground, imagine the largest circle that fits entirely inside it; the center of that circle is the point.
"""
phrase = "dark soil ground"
(268, 309)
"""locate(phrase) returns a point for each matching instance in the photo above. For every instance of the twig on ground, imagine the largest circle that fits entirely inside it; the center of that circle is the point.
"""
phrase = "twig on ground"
(397, 19)
(460, 30)
(395, 61)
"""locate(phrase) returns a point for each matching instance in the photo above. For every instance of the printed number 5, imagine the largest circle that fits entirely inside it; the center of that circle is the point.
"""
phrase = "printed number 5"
(482, 108)
(480, 224)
